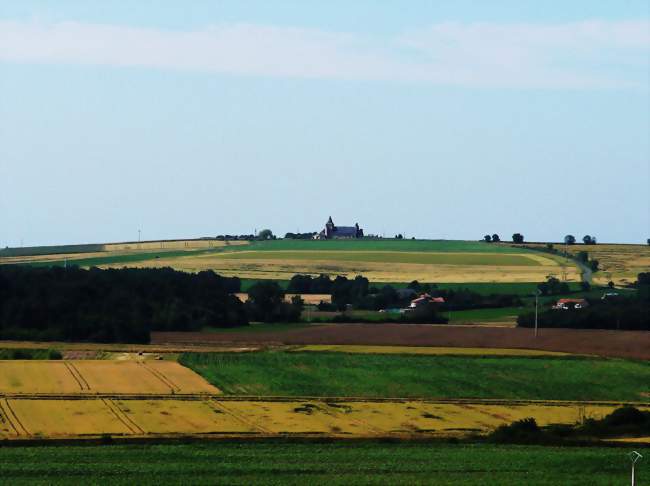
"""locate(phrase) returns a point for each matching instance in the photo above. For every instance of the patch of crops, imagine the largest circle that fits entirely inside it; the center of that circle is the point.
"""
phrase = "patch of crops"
(384, 245)
(340, 463)
(429, 258)
(342, 374)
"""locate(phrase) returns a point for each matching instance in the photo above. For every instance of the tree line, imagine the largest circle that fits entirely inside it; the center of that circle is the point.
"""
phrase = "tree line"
(619, 312)
(114, 305)
(358, 292)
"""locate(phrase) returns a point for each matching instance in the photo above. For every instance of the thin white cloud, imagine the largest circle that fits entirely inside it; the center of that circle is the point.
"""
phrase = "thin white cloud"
(571, 55)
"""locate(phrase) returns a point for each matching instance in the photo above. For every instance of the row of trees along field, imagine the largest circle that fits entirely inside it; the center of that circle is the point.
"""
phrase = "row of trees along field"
(586, 239)
(614, 311)
(124, 305)
(359, 293)
(495, 238)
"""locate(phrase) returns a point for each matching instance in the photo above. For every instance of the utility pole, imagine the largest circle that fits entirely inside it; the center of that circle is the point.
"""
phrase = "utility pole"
(634, 456)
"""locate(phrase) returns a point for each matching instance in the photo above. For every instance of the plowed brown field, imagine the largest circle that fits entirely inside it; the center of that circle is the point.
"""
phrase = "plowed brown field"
(622, 344)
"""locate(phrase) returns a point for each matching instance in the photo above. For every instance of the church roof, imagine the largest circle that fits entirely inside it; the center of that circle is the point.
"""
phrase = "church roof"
(345, 230)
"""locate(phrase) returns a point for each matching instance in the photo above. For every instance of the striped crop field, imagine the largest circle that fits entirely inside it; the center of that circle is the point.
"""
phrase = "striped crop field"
(98, 376)
(620, 264)
(381, 261)
(429, 258)
(377, 266)
(28, 418)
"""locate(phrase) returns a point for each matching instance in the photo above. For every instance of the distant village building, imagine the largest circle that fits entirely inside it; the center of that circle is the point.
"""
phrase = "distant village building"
(566, 304)
(426, 299)
(332, 231)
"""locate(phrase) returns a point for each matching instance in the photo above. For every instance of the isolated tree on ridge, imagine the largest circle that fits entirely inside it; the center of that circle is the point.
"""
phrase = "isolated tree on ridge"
(589, 240)
(265, 234)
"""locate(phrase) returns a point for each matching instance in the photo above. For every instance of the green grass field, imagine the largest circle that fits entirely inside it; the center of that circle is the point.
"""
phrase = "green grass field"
(374, 375)
(383, 245)
(348, 246)
(340, 463)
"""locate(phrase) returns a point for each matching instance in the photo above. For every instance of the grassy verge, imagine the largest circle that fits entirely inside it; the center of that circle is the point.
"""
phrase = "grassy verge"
(383, 375)
(338, 463)
(28, 353)
(485, 315)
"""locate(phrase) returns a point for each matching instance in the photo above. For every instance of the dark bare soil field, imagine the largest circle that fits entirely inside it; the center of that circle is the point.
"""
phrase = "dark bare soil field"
(620, 344)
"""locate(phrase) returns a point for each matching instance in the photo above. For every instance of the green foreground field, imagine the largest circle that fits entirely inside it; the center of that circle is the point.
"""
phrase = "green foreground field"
(279, 373)
(340, 463)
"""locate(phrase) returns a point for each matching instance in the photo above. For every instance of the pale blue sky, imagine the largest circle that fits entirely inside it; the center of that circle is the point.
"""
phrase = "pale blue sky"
(434, 119)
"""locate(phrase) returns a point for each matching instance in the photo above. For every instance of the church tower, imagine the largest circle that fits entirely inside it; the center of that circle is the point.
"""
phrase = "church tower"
(329, 228)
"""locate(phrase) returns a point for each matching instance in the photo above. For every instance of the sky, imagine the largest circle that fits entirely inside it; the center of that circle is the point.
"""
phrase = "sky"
(446, 119)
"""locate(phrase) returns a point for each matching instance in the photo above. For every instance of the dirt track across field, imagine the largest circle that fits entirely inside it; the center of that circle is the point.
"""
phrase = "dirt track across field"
(620, 344)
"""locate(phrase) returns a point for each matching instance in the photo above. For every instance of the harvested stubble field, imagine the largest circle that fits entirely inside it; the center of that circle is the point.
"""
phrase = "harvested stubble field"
(97, 376)
(284, 463)
(333, 374)
(26, 418)
(311, 299)
(380, 266)
(622, 344)
(618, 263)
(379, 260)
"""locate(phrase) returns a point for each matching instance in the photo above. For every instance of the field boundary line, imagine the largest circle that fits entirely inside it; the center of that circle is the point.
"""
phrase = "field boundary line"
(122, 417)
(6, 416)
(324, 399)
(214, 404)
(11, 410)
(166, 381)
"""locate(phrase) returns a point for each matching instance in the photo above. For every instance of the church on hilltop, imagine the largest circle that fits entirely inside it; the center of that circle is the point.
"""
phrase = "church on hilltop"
(332, 231)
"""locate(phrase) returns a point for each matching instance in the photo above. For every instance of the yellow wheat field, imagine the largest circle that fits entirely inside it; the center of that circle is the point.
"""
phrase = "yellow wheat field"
(279, 269)
(171, 245)
(97, 376)
(116, 249)
(50, 418)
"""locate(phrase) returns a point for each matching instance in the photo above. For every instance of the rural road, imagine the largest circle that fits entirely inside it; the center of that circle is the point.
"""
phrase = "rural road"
(586, 272)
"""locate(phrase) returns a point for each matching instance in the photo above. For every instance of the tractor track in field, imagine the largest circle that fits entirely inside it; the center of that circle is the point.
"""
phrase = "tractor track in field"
(118, 413)
(160, 376)
(78, 377)
(5, 416)
(15, 419)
